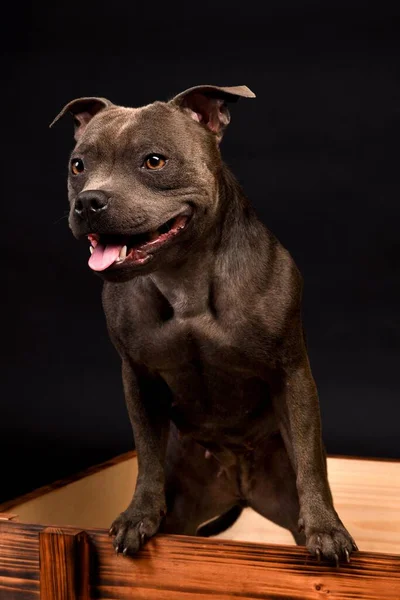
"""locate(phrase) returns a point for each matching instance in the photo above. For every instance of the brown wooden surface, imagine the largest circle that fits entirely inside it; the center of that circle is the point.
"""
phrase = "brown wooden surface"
(45, 489)
(64, 559)
(7, 516)
(366, 495)
(186, 568)
(9, 504)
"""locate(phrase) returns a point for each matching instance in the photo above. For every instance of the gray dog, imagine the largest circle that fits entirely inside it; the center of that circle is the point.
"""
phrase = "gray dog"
(204, 307)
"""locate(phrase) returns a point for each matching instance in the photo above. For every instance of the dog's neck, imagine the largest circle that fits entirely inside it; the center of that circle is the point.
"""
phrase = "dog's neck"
(188, 285)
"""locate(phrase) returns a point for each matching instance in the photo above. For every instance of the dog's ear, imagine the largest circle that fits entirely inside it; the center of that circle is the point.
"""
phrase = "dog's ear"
(207, 104)
(83, 110)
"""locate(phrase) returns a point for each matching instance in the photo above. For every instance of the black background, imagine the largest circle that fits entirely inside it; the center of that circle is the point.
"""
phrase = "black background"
(317, 152)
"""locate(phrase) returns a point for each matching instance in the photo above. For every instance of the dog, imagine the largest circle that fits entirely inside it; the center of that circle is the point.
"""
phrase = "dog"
(203, 305)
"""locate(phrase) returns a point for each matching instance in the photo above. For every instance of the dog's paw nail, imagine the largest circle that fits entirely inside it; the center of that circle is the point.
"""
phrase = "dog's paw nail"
(318, 554)
(111, 531)
(125, 551)
(117, 549)
(142, 538)
(347, 555)
(355, 546)
(336, 560)
(319, 541)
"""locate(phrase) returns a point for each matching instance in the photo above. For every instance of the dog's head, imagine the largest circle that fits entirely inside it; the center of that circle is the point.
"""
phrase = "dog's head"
(143, 181)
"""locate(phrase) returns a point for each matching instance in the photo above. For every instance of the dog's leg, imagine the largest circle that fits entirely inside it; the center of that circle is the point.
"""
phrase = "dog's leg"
(148, 411)
(273, 493)
(297, 407)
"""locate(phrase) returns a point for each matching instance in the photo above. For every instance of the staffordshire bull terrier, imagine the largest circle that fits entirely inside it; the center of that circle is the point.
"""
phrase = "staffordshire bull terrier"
(203, 305)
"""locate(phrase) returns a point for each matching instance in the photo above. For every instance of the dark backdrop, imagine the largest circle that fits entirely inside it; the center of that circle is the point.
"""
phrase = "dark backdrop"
(317, 152)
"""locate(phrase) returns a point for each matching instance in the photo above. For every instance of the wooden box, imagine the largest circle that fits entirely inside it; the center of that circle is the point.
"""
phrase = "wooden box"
(54, 545)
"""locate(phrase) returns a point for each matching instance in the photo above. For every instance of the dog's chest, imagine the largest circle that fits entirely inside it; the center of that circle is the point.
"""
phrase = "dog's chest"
(215, 387)
(209, 368)
(192, 344)
(162, 339)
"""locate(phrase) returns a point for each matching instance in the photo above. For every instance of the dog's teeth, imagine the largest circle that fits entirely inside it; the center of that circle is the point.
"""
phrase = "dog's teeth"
(91, 249)
(93, 241)
(122, 253)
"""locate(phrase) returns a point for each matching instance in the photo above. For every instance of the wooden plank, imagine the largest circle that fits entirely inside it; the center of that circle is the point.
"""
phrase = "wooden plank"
(366, 495)
(131, 455)
(186, 568)
(55, 485)
(73, 505)
(19, 561)
(367, 498)
(64, 559)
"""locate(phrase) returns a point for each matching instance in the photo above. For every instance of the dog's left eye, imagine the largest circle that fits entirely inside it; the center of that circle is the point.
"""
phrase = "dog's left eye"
(77, 166)
(155, 161)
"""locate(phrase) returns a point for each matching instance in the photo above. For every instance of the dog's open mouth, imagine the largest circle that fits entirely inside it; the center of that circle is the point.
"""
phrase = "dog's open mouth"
(117, 250)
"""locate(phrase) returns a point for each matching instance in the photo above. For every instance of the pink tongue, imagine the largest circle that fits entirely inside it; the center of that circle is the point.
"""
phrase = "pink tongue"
(103, 256)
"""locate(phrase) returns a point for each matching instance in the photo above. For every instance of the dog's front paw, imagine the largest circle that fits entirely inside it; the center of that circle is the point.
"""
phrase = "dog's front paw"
(132, 528)
(331, 542)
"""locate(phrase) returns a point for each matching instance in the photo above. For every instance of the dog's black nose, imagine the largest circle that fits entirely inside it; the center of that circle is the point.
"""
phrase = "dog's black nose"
(90, 202)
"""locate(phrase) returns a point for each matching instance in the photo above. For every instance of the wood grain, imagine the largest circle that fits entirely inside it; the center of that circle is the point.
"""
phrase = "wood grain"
(366, 495)
(64, 559)
(60, 483)
(131, 455)
(186, 568)
(19, 561)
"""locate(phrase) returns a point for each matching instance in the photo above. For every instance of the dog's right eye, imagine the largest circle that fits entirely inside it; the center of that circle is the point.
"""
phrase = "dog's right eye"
(77, 166)
(154, 162)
